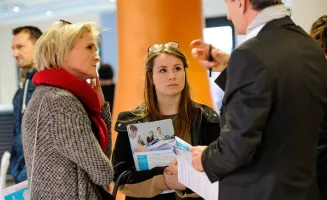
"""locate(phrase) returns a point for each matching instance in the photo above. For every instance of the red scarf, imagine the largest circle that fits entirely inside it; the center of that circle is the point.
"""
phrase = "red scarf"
(61, 78)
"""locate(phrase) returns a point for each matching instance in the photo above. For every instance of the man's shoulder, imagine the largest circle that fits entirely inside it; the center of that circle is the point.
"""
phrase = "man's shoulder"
(246, 51)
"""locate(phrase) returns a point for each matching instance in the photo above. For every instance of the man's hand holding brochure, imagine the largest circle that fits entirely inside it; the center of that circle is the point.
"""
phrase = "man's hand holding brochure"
(198, 182)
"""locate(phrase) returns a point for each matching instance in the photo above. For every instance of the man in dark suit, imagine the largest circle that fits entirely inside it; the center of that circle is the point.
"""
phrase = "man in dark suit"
(275, 100)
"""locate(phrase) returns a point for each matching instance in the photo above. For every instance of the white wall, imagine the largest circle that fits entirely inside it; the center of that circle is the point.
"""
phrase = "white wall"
(305, 12)
(211, 8)
(8, 71)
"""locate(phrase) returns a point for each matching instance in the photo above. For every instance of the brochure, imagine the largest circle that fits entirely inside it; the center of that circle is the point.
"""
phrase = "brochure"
(150, 144)
(15, 192)
(188, 176)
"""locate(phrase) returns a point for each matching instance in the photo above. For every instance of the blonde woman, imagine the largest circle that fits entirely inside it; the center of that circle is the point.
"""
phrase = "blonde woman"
(66, 126)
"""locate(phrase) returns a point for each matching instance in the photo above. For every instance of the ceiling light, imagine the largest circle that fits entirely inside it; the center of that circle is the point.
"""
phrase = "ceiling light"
(16, 9)
(48, 13)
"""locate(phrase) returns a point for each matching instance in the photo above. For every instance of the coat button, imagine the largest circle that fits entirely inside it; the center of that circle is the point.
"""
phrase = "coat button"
(119, 125)
(221, 143)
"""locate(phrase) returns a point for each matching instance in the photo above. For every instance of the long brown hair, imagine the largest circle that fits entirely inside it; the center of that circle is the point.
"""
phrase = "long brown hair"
(187, 108)
(319, 32)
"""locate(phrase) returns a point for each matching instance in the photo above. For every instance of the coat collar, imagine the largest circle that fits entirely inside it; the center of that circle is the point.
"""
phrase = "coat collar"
(130, 117)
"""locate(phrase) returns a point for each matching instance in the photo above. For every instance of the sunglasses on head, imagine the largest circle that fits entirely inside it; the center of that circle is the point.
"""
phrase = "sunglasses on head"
(64, 22)
(159, 47)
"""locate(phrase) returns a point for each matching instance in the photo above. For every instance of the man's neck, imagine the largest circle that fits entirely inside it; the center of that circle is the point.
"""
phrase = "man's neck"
(23, 73)
(27, 69)
(105, 82)
(251, 15)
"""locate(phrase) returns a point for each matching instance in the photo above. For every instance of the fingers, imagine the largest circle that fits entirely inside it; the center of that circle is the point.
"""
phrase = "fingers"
(220, 55)
(194, 163)
(168, 172)
(194, 149)
(91, 83)
(198, 43)
(172, 168)
(197, 52)
(97, 81)
(207, 64)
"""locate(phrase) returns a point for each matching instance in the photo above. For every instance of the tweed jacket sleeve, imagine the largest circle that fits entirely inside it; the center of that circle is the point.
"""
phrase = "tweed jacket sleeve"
(106, 116)
(73, 137)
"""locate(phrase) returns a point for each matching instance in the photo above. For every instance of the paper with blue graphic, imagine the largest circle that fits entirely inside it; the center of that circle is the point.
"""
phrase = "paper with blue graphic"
(198, 182)
(182, 144)
(15, 192)
(150, 143)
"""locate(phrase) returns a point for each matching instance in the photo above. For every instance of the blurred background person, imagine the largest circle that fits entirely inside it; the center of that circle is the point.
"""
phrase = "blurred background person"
(150, 138)
(140, 140)
(23, 45)
(319, 34)
(106, 75)
(161, 135)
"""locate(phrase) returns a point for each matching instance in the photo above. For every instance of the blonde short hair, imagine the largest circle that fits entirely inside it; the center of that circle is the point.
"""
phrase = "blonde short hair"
(57, 41)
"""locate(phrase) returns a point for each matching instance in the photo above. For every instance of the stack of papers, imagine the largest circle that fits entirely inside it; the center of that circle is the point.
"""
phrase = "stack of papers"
(198, 182)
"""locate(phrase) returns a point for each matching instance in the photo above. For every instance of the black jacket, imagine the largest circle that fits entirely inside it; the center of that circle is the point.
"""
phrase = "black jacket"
(23, 95)
(274, 103)
(150, 183)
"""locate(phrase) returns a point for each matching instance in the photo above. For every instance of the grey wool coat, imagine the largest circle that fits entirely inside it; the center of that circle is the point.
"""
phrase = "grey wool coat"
(68, 161)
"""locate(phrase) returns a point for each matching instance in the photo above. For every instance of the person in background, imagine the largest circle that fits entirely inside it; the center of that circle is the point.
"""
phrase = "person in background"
(319, 34)
(150, 138)
(106, 75)
(140, 140)
(161, 135)
(23, 45)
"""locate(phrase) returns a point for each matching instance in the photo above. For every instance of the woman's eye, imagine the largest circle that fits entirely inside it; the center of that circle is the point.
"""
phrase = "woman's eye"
(89, 47)
(178, 68)
(162, 70)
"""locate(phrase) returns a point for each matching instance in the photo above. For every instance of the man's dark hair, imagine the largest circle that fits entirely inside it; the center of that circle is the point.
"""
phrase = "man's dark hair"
(105, 72)
(34, 32)
(262, 4)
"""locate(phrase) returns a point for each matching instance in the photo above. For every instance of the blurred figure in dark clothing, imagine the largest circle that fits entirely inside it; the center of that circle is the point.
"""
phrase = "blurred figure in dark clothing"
(319, 34)
(106, 75)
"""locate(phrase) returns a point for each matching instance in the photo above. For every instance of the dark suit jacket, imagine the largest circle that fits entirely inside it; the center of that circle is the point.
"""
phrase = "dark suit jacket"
(274, 103)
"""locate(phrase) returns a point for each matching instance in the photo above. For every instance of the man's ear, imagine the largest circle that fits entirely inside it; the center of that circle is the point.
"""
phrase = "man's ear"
(243, 4)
